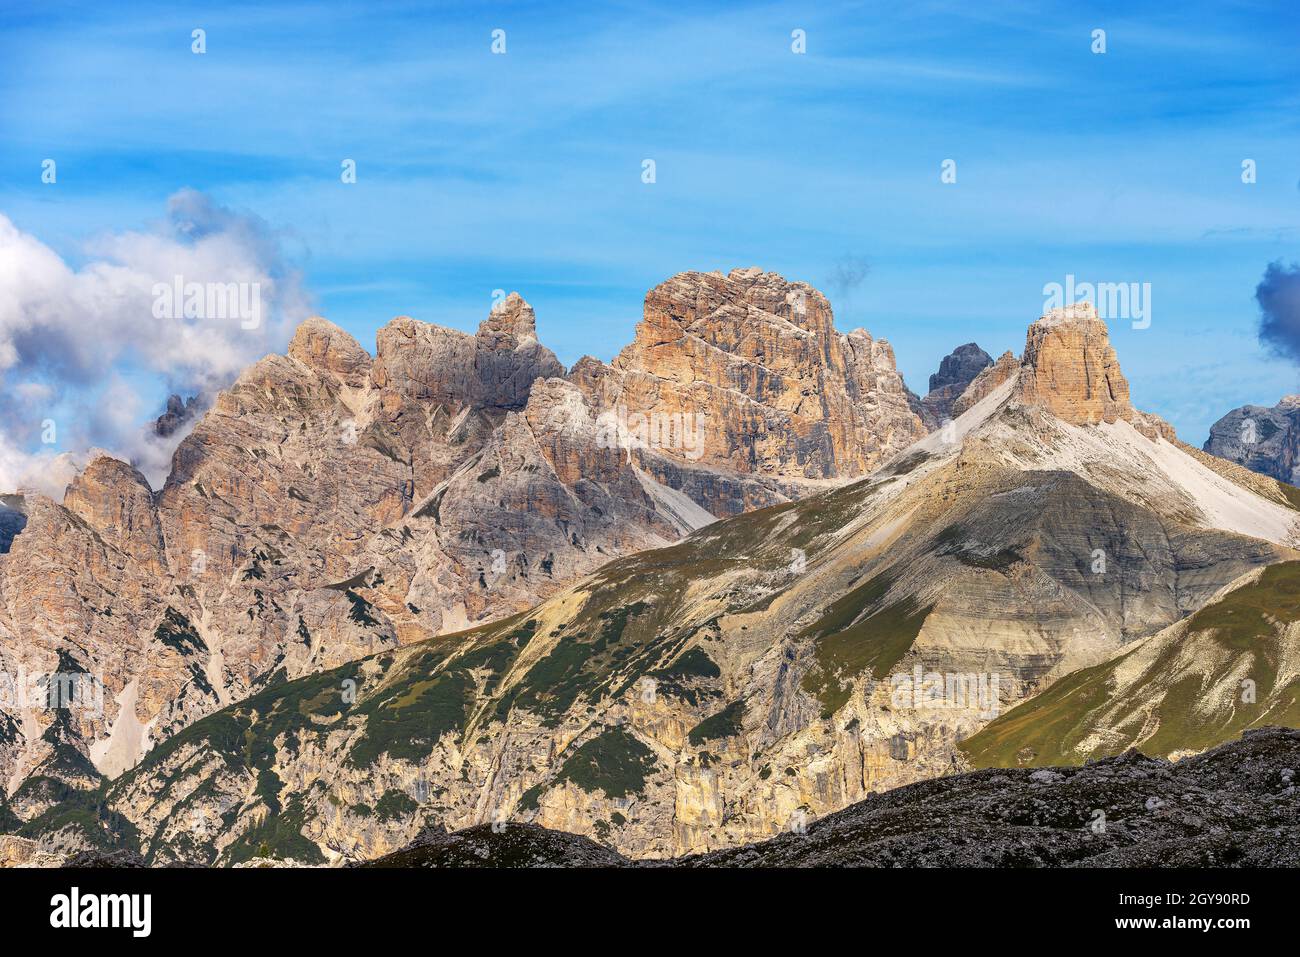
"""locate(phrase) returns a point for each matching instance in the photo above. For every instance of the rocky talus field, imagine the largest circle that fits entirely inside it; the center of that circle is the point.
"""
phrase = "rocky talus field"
(449, 601)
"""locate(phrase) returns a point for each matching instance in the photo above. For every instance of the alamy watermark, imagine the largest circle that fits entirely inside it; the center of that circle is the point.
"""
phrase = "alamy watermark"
(74, 691)
(1113, 300)
(924, 691)
(678, 431)
(209, 300)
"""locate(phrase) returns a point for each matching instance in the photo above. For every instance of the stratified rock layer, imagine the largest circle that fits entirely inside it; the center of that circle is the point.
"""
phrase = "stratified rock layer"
(780, 391)
(986, 382)
(1072, 370)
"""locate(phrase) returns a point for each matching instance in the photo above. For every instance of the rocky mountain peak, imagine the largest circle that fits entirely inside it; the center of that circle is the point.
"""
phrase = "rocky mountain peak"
(510, 324)
(322, 346)
(957, 371)
(311, 526)
(115, 500)
(176, 414)
(758, 360)
(424, 363)
(960, 366)
(1264, 440)
(1070, 368)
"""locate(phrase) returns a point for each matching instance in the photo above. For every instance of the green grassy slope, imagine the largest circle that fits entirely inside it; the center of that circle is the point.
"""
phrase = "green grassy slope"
(1193, 689)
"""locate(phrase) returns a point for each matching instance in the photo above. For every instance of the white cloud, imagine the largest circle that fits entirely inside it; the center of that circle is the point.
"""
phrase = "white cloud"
(71, 338)
(46, 472)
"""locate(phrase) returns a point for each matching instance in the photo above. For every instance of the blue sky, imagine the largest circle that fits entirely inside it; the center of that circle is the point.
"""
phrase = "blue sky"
(522, 171)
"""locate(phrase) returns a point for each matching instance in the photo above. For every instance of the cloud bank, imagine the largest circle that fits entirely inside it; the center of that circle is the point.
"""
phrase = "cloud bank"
(1278, 295)
(77, 342)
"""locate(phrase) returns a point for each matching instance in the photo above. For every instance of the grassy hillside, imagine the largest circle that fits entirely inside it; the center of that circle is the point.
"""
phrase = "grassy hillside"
(1230, 667)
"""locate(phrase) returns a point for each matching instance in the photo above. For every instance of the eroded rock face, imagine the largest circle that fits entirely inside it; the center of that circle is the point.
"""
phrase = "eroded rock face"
(1071, 368)
(956, 372)
(176, 415)
(263, 556)
(1008, 817)
(1144, 705)
(74, 603)
(20, 852)
(696, 698)
(319, 344)
(509, 357)
(115, 500)
(1264, 440)
(987, 820)
(779, 391)
(331, 511)
(674, 701)
(986, 382)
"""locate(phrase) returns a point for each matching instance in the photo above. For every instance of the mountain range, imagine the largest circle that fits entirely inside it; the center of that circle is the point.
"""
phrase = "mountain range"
(736, 580)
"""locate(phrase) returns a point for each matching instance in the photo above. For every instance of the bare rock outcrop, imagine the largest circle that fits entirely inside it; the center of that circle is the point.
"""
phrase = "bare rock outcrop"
(768, 669)
(509, 357)
(759, 360)
(957, 371)
(176, 414)
(986, 382)
(115, 500)
(323, 346)
(1070, 368)
(1264, 440)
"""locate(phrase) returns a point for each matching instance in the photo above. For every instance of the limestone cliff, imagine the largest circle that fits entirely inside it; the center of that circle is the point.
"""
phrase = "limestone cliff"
(1070, 367)
(986, 382)
(782, 392)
